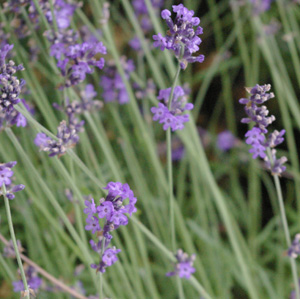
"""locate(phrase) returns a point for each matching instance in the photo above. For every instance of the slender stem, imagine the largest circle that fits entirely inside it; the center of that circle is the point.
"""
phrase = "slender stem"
(13, 237)
(101, 286)
(101, 274)
(169, 162)
(44, 273)
(285, 225)
(170, 176)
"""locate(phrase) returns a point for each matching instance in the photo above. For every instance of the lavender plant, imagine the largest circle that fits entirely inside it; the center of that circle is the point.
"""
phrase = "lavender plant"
(213, 200)
(261, 144)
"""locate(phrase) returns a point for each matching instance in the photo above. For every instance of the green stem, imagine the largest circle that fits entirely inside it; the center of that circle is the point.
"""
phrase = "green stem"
(169, 160)
(101, 274)
(170, 173)
(101, 286)
(13, 237)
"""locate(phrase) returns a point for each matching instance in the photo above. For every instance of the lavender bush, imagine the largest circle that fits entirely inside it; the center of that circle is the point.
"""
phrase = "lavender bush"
(145, 177)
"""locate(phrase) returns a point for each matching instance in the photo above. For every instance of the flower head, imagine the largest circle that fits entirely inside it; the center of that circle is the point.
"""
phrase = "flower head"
(184, 266)
(257, 137)
(181, 36)
(67, 137)
(172, 115)
(76, 61)
(112, 210)
(10, 89)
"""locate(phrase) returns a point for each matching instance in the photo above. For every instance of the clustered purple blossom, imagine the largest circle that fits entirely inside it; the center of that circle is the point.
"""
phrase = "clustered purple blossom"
(62, 12)
(141, 11)
(6, 178)
(78, 60)
(10, 89)
(34, 282)
(184, 266)
(294, 249)
(181, 36)
(67, 137)
(113, 210)
(256, 137)
(171, 116)
(75, 60)
(67, 133)
(114, 89)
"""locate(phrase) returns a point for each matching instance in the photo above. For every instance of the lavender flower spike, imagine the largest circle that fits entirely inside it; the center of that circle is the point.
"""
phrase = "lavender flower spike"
(256, 137)
(184, 266)
(112, 210)
(181, 34)
(10, 89)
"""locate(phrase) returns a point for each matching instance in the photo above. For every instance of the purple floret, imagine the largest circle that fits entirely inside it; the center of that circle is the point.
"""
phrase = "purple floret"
(172, 116)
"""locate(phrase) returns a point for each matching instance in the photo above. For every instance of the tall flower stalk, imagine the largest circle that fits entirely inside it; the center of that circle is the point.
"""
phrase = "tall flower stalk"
(263, 146)
(183, 41)
(6, 174)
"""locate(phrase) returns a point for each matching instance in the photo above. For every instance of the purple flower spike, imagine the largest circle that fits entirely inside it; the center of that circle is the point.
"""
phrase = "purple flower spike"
(181, 34)
(184, 266)
(77, 60)
(10, 89)
(256, 137)
(112, 210)
(67, 136)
